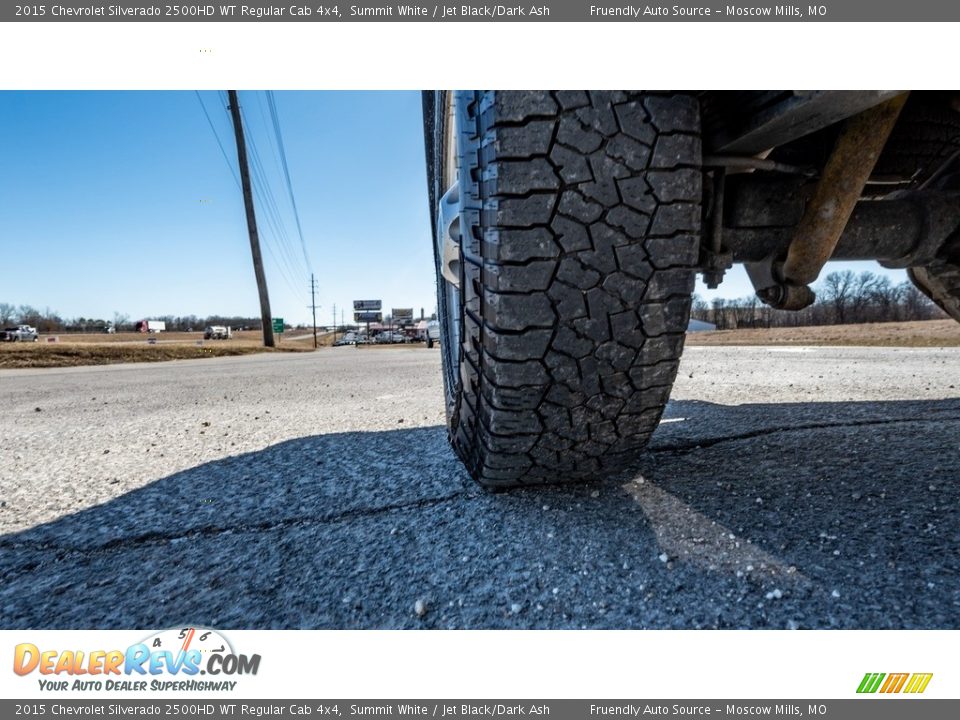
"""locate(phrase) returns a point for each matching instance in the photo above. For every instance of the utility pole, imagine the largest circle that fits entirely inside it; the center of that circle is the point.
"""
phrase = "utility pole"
(265, 317)
(334, 323)
(313, 306)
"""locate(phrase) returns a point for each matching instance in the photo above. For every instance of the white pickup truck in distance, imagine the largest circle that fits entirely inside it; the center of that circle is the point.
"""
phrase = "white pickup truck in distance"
(217, 332)
(21, 333)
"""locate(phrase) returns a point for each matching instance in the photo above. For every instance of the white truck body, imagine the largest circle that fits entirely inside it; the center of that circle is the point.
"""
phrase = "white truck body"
(152, 326)
(217, 332)
(21, 333)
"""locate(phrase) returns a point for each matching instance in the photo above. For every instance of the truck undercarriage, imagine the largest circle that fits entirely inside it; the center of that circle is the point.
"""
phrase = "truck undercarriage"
(568, 227)
(841, 194)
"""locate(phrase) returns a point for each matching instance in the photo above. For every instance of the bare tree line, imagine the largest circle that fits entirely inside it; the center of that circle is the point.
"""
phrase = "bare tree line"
(49, 321)
(842, 297)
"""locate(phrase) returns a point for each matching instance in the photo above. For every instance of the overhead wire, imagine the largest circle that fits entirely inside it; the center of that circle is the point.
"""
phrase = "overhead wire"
(271, 102)
(268, 211)
(280, 160)
(272, 203)
(233, 172)
(271, 211)
(216, 136)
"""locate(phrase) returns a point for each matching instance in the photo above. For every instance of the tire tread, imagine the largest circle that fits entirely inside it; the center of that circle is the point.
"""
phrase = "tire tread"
(583, 249)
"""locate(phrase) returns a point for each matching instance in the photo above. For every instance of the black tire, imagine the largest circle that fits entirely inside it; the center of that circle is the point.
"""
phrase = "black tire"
(580, 221)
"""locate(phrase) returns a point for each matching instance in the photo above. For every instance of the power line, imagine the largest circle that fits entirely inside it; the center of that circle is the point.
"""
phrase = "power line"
(290, 252)
(277, 240)
(233, 172)
(283, 273)
(270, 203)
(283, 255)
(275, 224)
(279, 160)
(216, 135)
(271, 103)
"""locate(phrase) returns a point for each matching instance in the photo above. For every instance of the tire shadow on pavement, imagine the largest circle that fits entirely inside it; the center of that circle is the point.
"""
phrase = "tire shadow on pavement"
(840, 514)
(808, 515)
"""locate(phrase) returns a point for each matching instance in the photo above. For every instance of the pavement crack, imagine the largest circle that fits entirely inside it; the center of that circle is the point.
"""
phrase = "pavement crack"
(681, 448)
(159, 538)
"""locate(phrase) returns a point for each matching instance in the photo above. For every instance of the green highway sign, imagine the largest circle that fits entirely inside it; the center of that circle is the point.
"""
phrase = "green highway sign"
(278, 325)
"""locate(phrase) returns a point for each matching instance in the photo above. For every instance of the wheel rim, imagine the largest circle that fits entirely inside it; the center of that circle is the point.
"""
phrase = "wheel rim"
(448, 250)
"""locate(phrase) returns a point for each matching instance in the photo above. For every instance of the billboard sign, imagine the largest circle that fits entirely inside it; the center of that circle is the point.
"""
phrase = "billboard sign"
(402, 316)
(367, 317)
(372, 305)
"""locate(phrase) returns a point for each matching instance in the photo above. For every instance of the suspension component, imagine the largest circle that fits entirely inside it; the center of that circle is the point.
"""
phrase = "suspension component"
(785, 284)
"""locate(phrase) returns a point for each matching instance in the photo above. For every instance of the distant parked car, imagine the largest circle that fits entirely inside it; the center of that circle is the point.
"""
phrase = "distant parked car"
(21, 333)
(387, 338)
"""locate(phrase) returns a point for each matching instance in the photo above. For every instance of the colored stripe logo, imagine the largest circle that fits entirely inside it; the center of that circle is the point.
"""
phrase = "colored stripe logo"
(912, 683)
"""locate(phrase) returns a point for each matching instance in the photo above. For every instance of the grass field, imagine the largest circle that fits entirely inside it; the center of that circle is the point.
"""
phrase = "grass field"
(240, 337)
(103, 349)
(928, 333)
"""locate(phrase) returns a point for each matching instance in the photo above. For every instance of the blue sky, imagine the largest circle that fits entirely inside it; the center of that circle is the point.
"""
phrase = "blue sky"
(123, 202)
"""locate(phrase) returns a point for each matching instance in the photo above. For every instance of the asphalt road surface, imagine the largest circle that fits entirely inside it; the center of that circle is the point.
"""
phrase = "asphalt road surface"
(786, 488)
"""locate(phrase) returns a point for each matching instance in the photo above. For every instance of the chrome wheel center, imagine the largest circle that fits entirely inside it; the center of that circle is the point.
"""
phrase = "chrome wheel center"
(448, 226)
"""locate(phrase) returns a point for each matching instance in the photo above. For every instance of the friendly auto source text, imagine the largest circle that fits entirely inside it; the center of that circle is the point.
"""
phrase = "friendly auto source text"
(641, 11)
